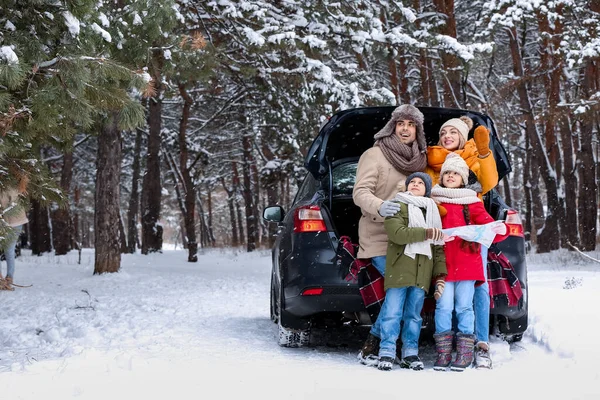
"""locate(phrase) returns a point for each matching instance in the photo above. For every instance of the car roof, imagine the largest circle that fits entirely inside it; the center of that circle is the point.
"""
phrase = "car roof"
(350, 132)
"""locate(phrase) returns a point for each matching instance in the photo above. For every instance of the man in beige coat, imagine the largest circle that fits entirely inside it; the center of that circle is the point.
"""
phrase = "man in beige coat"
(399, 150)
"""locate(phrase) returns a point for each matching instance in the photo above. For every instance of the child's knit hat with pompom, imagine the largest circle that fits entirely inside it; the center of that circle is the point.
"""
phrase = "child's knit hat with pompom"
(455, 163)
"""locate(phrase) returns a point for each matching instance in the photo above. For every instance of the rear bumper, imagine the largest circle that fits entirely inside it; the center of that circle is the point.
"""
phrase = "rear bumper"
(333, 299)
(313, 265)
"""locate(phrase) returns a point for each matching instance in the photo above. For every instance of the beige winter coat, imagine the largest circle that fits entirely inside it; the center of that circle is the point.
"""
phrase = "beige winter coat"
(376, 180)
(8, 199)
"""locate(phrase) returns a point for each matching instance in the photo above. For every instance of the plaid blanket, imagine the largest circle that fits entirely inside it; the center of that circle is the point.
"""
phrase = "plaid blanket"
(505, 288)
(370, 284)
(361, 271)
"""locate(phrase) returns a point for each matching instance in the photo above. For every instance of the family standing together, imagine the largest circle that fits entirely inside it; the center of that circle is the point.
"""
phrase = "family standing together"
(408, 193)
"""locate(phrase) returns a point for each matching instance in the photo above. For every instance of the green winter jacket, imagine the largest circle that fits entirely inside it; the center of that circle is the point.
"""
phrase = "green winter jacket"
(401, 270)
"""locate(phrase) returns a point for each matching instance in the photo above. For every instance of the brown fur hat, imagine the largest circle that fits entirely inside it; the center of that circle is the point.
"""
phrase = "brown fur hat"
(405, 112)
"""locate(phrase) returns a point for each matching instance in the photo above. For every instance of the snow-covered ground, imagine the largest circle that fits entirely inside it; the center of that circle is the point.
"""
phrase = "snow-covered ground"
(163, 328)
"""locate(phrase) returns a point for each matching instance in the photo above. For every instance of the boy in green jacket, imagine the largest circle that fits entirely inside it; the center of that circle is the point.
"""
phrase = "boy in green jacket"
(414, 255)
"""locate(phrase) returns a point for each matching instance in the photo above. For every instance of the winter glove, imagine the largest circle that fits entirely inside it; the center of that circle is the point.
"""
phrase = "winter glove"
(440, 284)
(482, 140)
(434, 234)
(388, 209)
(442, 210)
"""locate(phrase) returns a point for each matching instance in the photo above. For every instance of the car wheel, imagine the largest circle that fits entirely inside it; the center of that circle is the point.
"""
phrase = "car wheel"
(514, 338)
(291, 337)
(274, 302)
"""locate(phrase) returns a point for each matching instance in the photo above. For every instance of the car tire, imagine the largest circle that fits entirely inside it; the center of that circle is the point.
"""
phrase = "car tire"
(293, 337)
(514, 338)
(287, 336)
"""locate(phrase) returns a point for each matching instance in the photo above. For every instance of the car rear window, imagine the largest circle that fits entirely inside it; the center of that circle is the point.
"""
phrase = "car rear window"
(344, 176)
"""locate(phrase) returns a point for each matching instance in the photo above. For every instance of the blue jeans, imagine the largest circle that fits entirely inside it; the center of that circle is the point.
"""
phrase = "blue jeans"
(9, 253)
(482, 304)
(379, 264)
(401, 304)
(457, 296)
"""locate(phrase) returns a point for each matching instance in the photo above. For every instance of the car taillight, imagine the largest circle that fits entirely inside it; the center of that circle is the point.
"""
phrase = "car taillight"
(513, 222)
(309, 219)
(312, 292)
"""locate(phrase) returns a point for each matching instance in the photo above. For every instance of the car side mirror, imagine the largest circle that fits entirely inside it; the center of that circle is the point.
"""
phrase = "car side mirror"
(273, 213)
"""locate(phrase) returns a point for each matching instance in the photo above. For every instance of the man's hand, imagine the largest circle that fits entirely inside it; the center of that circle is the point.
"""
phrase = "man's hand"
(389, 209)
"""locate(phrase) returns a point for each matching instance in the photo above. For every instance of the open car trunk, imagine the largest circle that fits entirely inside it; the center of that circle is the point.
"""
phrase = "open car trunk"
(345, 216)
(350, 133)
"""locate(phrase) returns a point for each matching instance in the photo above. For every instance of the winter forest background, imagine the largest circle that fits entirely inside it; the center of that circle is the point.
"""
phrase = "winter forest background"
(143, 122)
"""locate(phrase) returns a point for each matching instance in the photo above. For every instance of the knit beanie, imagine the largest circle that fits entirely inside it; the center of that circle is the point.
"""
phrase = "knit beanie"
(455, 163)
(426, 179)
(405, 112)
(463, 125)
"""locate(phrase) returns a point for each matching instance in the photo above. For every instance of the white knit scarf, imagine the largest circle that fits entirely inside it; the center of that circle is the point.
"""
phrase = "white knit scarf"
(415, 219)
(454, 195)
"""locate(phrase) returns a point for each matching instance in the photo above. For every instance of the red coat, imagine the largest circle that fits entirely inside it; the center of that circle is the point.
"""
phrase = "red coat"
(463, 264)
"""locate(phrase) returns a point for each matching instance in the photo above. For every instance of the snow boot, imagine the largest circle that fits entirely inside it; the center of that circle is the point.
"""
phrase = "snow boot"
(412, 362)
(464, 352)
(443, 346)
(4, 285)
(369, 354)
(385, 363)
(482, 356)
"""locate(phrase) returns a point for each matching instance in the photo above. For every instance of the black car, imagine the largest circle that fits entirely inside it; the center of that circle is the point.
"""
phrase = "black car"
(306, 282)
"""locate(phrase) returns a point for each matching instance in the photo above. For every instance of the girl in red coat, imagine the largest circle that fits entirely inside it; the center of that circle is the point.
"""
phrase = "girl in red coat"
(464, 264)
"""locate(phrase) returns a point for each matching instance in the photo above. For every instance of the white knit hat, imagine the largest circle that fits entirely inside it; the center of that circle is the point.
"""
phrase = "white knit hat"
(455, 163)
(462, 124)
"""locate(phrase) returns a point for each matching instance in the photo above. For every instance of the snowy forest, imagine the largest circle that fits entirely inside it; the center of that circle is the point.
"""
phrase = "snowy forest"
(137, 123)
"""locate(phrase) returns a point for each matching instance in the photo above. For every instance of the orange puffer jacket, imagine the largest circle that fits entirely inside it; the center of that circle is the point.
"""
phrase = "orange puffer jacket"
(484, 168)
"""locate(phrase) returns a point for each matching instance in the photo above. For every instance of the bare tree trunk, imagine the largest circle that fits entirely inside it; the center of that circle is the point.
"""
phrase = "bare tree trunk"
(255, 187)
(588, 189)
(134, 200)
(570, 224)
(151, 191)
(39, 225)
(231, 208)
(549, 239)
(107, 215)
(550, 230)
(530, 233)
(61, 218)
(76, 223)
(236, 189)
(209, 224)
(204, 235)
(428, 85)
(251, 226)
(122, 235)
(187, 180)
(452, 71)
(238, 211)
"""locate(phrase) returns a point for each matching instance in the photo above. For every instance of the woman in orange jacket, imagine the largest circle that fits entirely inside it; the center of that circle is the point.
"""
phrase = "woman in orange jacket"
(454, 138)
